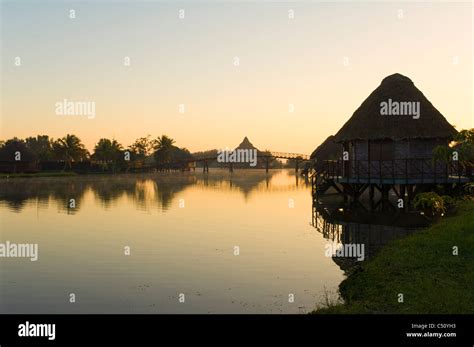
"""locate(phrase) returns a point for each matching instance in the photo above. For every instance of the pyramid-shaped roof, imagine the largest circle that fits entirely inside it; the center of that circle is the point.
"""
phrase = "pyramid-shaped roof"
(367, 123)
(246, 144)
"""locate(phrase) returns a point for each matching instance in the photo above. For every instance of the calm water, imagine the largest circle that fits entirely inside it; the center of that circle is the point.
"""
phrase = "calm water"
(182, 230)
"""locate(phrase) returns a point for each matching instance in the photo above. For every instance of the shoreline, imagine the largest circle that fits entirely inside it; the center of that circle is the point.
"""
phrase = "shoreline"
(77, 174)
(39, 174)
(432, 269)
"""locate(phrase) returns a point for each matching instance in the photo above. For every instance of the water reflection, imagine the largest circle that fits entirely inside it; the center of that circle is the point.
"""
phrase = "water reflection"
(173, 250)
(343, 226)
(159, 190)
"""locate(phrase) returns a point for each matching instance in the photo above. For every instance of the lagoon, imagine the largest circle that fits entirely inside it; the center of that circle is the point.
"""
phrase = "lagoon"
(181, 230)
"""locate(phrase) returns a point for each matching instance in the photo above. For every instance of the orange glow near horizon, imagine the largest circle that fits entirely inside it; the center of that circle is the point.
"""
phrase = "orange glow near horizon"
(190, 61)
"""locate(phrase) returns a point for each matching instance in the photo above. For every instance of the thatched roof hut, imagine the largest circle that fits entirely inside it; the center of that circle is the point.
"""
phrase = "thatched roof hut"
(246, 144)
(328, 150)
(394, 124)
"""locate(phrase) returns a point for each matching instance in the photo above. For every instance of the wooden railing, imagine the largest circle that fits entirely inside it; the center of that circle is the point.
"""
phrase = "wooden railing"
(408, 169)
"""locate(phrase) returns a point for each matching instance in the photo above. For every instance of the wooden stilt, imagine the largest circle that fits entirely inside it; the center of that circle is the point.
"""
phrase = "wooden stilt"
(410, 194)
(344, 191)
(371, 197)
(384, 197)
(403, 196)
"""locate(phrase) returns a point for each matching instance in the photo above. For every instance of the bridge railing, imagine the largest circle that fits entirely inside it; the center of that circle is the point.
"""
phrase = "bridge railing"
(285, 155)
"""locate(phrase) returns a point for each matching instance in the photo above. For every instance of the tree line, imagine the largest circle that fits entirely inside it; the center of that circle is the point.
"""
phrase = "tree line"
(108, 153)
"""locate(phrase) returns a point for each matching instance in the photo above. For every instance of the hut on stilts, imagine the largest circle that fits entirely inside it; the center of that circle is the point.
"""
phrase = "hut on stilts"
(387, 145)
(328, 150)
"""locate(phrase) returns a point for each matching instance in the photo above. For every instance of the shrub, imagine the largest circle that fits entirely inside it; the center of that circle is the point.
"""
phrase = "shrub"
(431, 204)
(448, 200)
(449, 204)
(469, 189)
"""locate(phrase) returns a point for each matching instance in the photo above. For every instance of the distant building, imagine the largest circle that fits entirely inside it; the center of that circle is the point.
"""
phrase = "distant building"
(247, 145)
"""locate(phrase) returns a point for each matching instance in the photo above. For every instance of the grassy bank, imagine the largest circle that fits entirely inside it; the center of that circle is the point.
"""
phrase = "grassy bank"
(39, 174)
(422, 267)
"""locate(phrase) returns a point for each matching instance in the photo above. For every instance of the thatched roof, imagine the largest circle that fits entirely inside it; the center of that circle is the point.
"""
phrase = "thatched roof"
(246, 144)
(367, 123)
(327, 150)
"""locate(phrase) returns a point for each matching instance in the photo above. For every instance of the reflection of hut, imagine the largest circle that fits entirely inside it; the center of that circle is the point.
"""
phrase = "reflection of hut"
(328, 150)
(370, 230)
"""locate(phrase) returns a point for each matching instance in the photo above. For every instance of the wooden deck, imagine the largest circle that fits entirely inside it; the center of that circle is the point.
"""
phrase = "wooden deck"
(406, 178)
(389, 180)
(403, 171)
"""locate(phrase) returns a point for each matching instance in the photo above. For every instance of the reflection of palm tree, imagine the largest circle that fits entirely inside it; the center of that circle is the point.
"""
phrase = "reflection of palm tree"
(144, 190)
(69, 149)
(62, 190)
(108, 190)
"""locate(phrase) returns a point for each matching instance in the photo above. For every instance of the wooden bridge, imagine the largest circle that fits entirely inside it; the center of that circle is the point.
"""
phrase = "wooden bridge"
(267, 156)
(283, 155)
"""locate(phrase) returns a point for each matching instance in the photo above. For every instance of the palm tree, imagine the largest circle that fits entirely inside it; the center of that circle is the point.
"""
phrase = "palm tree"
(69, 148)
(163, 147)
(464, 143)
(107, 151)
(164, 142)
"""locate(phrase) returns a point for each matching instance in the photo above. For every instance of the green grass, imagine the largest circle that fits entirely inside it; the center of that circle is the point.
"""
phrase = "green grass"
(39, 174)
(422, 267)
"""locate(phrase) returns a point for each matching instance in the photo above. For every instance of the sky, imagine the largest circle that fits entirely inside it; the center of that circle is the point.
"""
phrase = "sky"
(297, 80)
